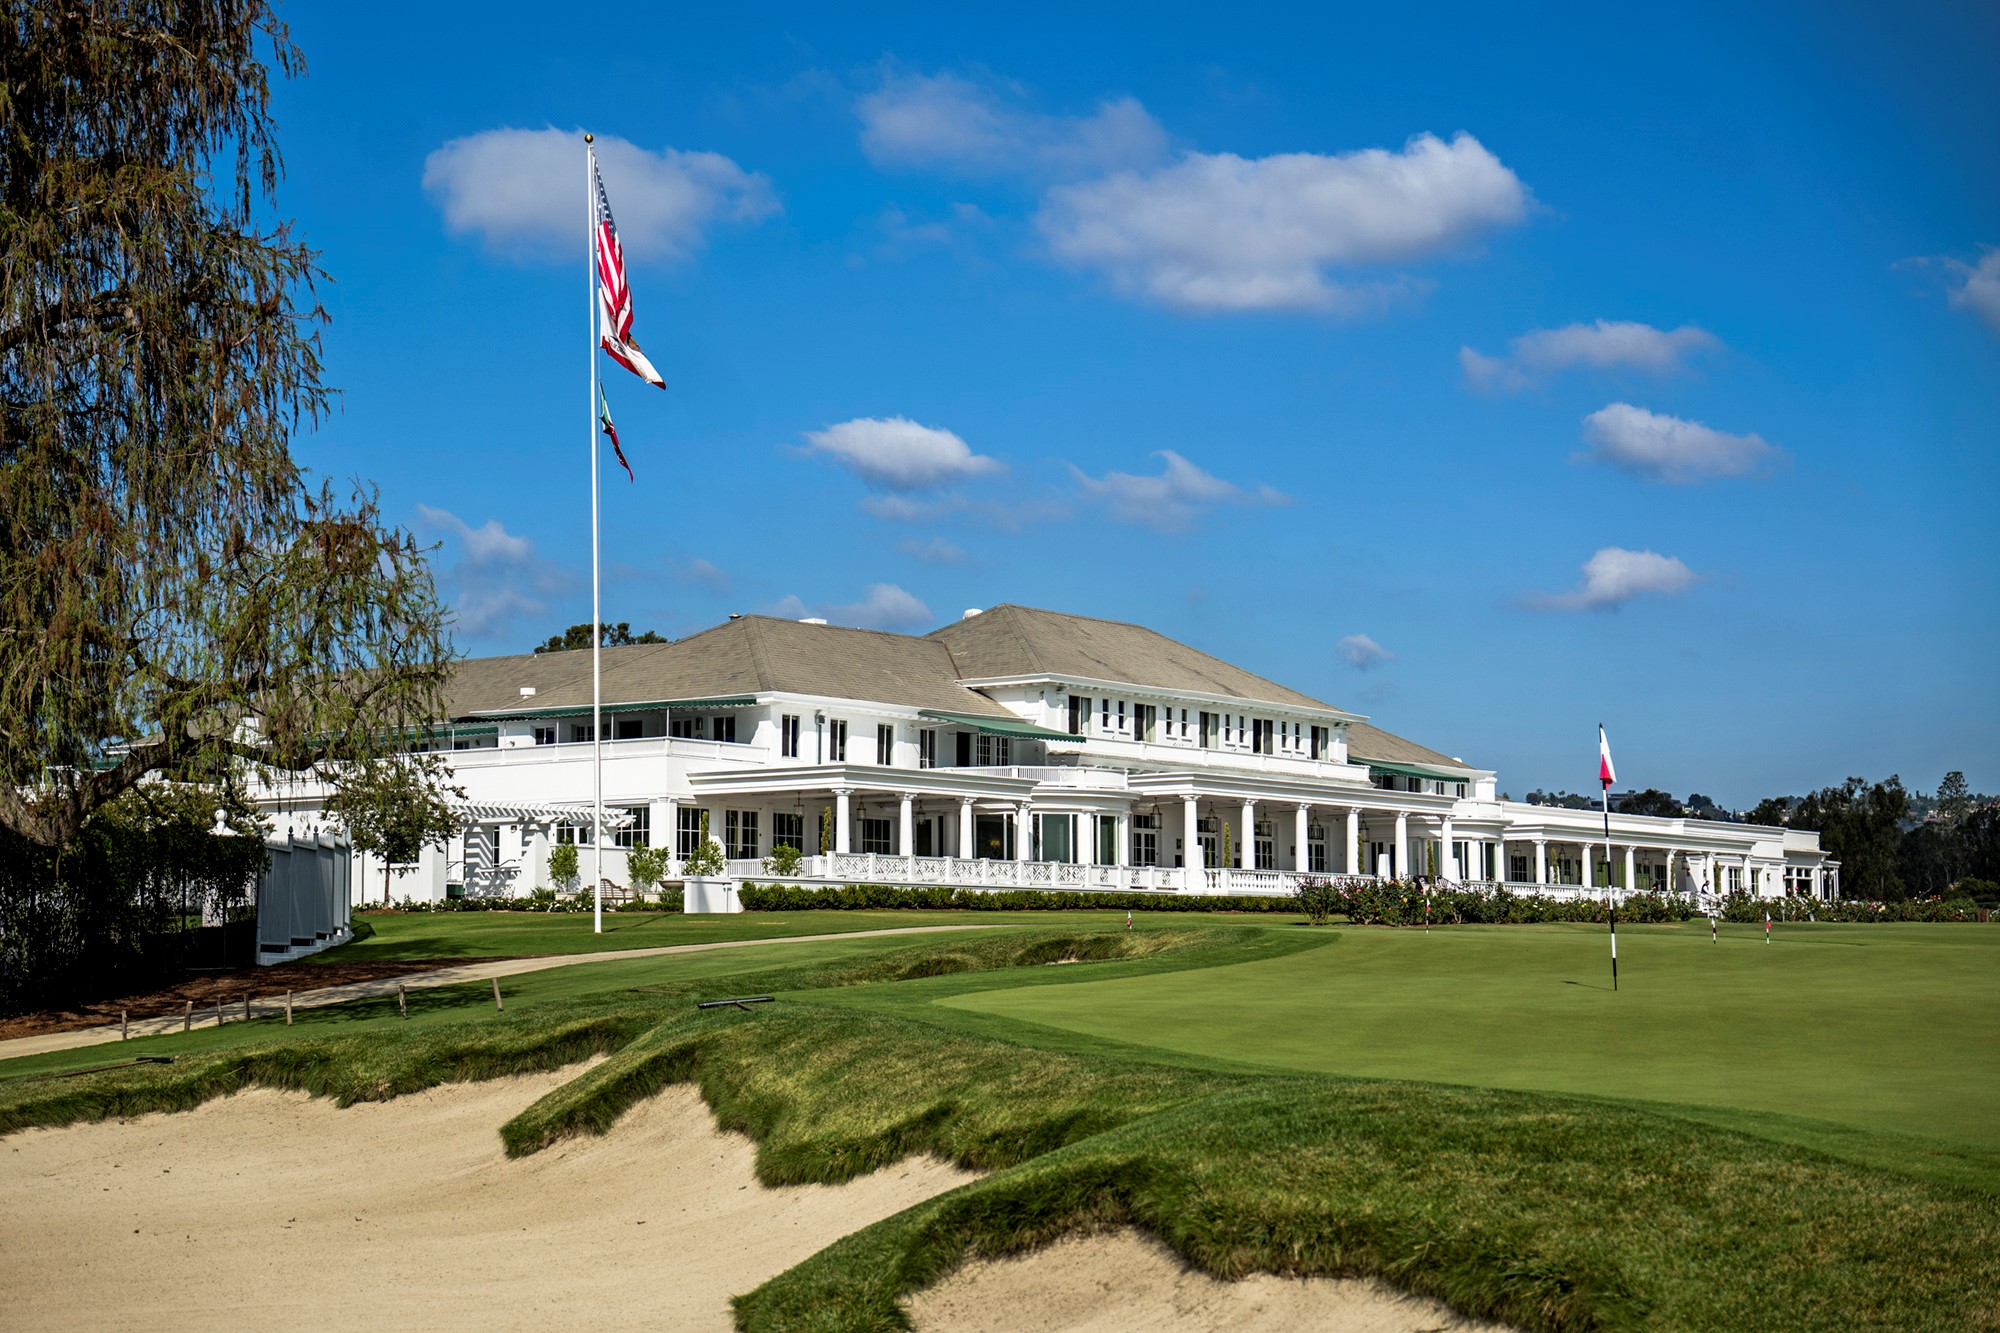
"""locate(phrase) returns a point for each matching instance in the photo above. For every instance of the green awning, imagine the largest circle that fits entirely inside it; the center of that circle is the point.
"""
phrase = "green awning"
(650, 706)
(997, 726)
(1414, 771)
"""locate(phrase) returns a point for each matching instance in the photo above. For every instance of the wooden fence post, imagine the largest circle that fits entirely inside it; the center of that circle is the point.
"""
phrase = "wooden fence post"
(124, 1025)
(288, 1008)
(187, 1017)
(496, 996)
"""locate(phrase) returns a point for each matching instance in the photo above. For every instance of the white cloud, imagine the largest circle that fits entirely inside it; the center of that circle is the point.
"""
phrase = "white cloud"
(883, 606)
(1672, 449)
(934, 551)
(496, 576)
(950, 123)
(1358, 650)
(1606, 344)
(1978, 289)
(1614, 576)
(1218, 232)
(899, 454)
(518, 189)
(1170, 501)
(701, 573)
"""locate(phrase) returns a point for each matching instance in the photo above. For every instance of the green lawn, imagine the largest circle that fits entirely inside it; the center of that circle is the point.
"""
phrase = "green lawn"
(1882, 1028)
(400, 935)
(1273, 1097)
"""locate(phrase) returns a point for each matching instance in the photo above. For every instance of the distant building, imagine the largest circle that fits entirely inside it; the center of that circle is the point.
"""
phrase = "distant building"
(1014, 748)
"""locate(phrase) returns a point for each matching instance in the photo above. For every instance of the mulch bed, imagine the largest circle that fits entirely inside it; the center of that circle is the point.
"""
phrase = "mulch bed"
(260, 983)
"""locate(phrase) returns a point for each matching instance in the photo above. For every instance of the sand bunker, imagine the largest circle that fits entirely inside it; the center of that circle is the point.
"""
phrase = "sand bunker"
(1123, 1280)
(276, 1210)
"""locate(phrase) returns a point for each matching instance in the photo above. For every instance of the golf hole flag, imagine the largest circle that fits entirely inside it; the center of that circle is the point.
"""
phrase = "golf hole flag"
(614, 295)
(1605, 774)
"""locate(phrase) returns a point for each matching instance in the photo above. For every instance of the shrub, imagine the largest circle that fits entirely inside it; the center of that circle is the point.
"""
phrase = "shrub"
(1984, 892)
(707, 856)
(562, 864)
(783, 860)
(1318, 899)
(646, 866)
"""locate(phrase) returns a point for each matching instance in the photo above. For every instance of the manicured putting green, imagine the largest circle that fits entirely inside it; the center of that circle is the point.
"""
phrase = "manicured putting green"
(1886, 1027)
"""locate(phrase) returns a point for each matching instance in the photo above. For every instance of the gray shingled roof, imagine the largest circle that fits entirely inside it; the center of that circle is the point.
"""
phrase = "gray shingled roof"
(761, 654)
(753, 655)
(1024, 641)
(1365, 742)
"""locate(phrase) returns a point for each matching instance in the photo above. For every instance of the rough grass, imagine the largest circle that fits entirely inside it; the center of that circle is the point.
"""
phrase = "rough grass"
(1549, 1212)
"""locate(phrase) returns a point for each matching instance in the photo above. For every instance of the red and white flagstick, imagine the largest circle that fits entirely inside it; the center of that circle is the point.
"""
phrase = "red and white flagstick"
(596, 633)
(1607, 777)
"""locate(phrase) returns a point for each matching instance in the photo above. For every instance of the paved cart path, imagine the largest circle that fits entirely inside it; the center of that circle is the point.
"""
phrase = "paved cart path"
(455, 975)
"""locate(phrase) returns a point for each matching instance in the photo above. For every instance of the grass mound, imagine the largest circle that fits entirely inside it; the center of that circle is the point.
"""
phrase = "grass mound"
(1550, 1212)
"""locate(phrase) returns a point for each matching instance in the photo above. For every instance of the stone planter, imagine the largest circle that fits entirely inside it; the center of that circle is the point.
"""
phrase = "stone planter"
(704, 895)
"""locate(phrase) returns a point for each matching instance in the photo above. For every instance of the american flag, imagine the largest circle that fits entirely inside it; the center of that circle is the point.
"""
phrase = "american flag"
(614, 295)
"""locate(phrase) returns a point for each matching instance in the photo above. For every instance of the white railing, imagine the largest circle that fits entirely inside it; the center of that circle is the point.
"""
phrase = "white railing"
(1059, 876)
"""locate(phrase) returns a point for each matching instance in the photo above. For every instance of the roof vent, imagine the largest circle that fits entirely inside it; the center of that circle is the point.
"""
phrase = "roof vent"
(736, 615)
(527, 691)
(970, 612)
(812, 620)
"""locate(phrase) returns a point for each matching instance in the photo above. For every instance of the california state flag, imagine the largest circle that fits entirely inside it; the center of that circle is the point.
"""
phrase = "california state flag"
(1605, 774)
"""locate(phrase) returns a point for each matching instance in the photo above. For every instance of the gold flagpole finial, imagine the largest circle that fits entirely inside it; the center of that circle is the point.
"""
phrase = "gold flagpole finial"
(588, 137)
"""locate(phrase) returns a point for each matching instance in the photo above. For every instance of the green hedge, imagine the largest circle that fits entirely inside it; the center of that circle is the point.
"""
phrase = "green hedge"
(852, 897)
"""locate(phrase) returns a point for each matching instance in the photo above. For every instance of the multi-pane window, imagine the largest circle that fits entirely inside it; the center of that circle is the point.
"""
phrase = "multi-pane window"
(638, 831)
(927, 748)
(1184, 724)
(545, 735)
(581, 731)
(1107, 840)
(878, 836)
(687, 728)
(885, 744)
(1208, 729)
(788, 736)
(725, 729)
(788, 829)
(1267, 851)
(1316, 849)
(687, 832)
(739, 834)
(1079, 714)
(1144, 721)
(574, 832)
(836, 742)
(995, 751)
(1319, 742)
(1104, 714)
(1146, 840)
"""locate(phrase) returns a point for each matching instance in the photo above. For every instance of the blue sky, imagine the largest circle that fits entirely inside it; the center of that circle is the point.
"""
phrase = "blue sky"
(1490, 373)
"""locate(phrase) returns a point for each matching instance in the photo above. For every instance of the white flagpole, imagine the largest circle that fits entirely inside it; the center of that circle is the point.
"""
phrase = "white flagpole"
(1610, 898)
(596, 631)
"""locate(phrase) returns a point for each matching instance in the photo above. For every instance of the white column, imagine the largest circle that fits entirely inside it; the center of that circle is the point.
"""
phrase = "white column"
(842, 817)
(1246, 845)
(1499, 875)
(1301, 822)
(1354, 866)
(965, 834)
(1589, 867)
(1024, 833)
(1542, 861)
(906, 825)
(665, 815)
(535, 867)
(1122, 854)
(1190, 843)
(1631, 868)
(1399, 866)
(1447, 853)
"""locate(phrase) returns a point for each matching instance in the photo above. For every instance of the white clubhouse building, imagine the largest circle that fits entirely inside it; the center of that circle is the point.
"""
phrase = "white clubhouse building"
(1015, 748)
